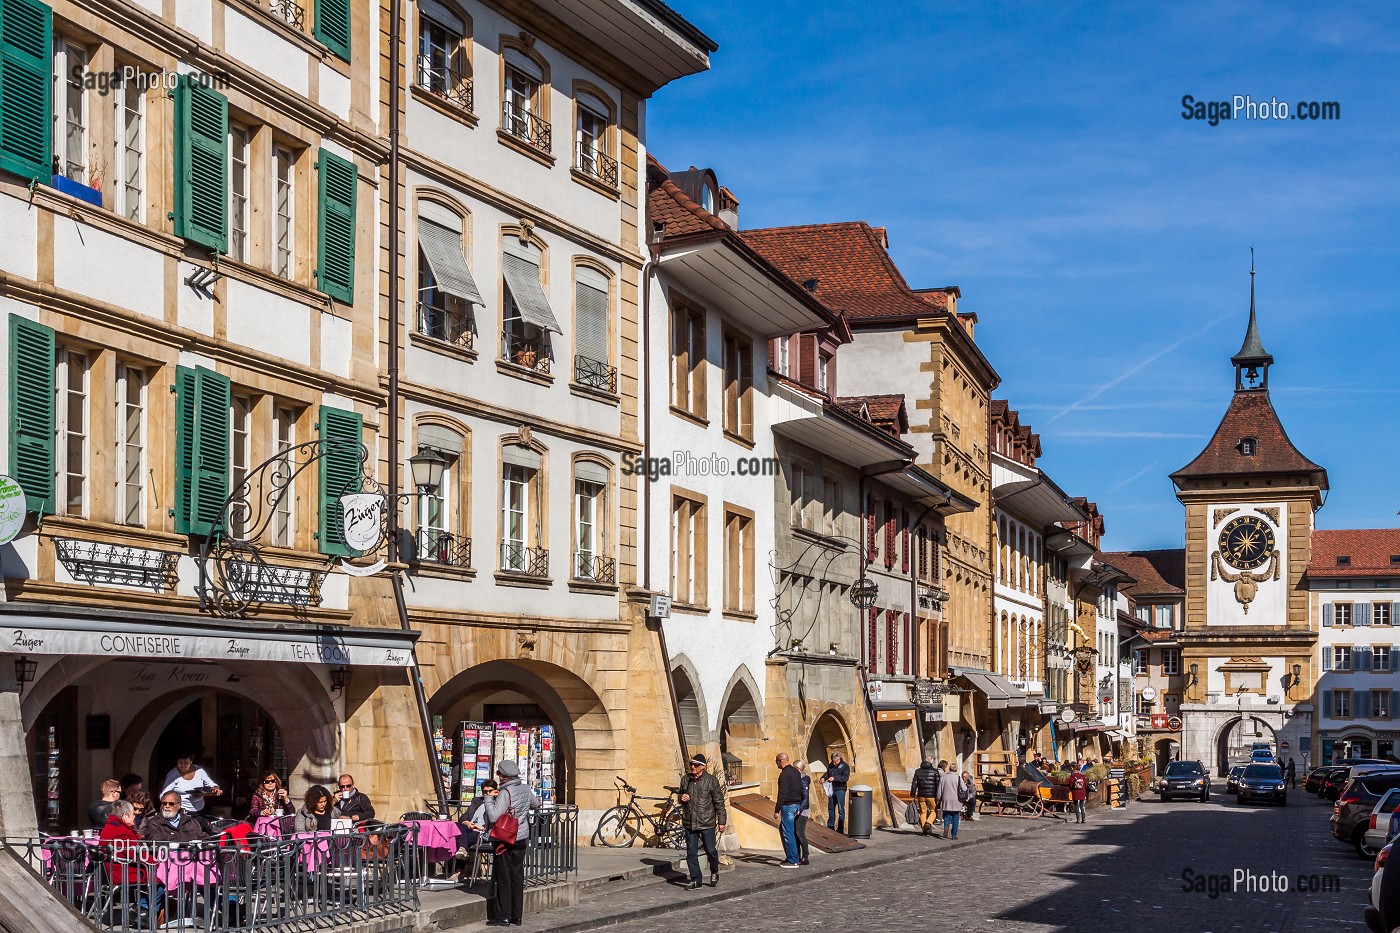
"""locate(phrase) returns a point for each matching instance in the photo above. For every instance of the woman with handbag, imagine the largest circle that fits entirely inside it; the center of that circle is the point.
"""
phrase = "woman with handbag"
(508, 810)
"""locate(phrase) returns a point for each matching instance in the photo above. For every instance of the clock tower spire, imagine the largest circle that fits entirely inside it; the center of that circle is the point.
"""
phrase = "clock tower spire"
(1253, 361)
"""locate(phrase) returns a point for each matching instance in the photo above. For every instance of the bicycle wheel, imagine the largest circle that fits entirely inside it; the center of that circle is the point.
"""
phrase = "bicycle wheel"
(619, 828)
(672, 836)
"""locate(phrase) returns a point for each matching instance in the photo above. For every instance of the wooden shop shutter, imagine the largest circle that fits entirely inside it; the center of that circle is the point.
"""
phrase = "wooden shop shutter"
(201, 164)
(335, 245)
(31, 433)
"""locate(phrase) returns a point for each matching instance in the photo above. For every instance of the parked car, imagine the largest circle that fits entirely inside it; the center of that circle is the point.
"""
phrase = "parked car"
(1262, 781)
(1384, 818)
(1352, 811)
(1332, 783)
(1184, 779)
(1313, 782)
(1232, 780)
(1373, 913)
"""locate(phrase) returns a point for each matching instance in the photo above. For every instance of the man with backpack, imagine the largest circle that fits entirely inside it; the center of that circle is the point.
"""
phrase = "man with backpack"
(1078, 792)
(923, 787)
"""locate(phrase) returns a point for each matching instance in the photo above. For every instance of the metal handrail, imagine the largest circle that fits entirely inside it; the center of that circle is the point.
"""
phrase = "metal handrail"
(531, 561)
(595, 568)
(525, 126)
(443, 81)
(595, 163)
(531, 354)
(444, 324)
(224, 885)
(595, 374)
(289, 12)
(443, 547)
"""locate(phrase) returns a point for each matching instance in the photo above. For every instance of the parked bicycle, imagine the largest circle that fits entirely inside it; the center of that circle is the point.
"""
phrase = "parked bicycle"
(621, 825)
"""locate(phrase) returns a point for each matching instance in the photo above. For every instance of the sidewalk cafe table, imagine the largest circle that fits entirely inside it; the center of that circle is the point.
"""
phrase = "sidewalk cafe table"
(437, 844)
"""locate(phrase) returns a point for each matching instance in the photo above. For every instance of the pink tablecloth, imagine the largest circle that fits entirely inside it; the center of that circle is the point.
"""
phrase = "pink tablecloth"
(329, 850)
(268, 826)
(177, 866)
(437, 838)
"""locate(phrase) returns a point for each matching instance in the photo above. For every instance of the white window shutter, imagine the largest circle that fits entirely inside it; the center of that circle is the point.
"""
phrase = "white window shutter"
(1327, 656)
(1326, 615)
(1361, 614)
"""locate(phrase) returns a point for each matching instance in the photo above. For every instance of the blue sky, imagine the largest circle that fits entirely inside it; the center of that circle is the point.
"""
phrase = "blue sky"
(1035, 155)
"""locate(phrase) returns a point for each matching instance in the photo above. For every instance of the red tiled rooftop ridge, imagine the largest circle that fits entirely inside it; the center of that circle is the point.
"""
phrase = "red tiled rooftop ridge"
(1369, 551)
(1251, 414)
(1158, 573)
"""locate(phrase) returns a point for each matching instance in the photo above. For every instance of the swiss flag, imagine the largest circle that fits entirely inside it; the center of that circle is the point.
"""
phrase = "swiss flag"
(1159, 720)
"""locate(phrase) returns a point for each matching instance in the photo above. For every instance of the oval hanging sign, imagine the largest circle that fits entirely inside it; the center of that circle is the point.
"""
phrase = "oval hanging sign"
(12, 509)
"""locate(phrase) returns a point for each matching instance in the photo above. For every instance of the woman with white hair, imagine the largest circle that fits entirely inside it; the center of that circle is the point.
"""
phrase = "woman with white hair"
(803, 814)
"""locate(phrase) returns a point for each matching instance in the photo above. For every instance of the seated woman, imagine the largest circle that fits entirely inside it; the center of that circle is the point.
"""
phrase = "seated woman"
(269, 797)
(316, 813)
(126, 870)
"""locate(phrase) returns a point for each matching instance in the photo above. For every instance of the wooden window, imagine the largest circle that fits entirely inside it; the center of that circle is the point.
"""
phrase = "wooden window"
(240, 448)
(343, 433)
(201, 165)
(240, 185)
(284, 167)
(33, 403)
(128, 149)
(443, 68)
(26, 94)
(335, 248)
(738, 560)
(1171, 660)
(590, 523)
(738, 385)
(689, 550)
(688, 357)
(131, 444)
(284, 438)
(202, 404)
(71, 118)
(74, 431)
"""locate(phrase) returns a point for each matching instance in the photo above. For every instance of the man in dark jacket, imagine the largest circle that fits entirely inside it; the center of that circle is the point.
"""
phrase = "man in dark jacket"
(349, 802)
(838, 774)
(924, 789)
(175, 824)
(703, 799)
(788, 806)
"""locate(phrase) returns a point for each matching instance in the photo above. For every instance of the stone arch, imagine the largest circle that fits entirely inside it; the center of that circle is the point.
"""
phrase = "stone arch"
(1223, 746)
(589, 749)
(740, 725)
(1165, 751)
(831, 734)
(690, 700)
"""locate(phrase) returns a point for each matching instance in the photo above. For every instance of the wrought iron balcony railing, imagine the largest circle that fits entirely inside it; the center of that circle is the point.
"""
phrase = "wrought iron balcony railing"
(525, 126)
(532, 354)
(289, 12)
(530, 561)
(442, 547)
(595, 374)
(442, 81)
(595, 568)
(595, 163)
(454, 327)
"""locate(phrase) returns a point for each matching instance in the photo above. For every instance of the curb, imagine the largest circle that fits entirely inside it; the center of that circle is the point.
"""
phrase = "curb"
(716, 896)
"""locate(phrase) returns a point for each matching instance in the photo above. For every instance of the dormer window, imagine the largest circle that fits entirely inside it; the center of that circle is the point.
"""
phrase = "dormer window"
(1343, 560)
(707, 198)
(1247, 446)
(1395, 560)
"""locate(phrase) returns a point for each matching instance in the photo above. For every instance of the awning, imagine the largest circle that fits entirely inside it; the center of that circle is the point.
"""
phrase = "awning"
(443, 249)
(1084, 728)
(894, 712)
(190, 640)
(523, 280)
(998, 691)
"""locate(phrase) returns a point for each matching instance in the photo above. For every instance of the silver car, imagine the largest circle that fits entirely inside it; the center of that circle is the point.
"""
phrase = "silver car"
(1378, 830)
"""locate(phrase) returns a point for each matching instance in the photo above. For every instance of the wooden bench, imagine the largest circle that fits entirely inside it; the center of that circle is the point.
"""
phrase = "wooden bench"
(1007, 802)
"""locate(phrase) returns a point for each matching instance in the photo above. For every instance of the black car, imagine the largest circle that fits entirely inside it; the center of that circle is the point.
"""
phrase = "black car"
(1313, 782)
(1262, 782)
(1184, 779)
(1232, 780)
(1332, 782)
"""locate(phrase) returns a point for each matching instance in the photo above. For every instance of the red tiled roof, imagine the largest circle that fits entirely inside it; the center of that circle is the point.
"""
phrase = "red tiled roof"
(887, 411)
(854, 273)
(1155, 635)
(668, 204)
(1250, 414)
(1370, 551)
(1158, 573)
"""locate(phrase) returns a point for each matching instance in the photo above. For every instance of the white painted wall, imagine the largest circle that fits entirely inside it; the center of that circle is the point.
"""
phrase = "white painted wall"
(1326, 593)
(262, 49)
(882, 363)
(19, 245)
(108, 268)
(262, 320)
(1270, 604)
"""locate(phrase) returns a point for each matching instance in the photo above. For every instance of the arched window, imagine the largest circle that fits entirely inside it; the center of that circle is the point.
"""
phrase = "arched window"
(524, 96)
(592, 560)
(447, 289)
(444, 68)
(443, 523)
(594, 121)
(526, 317)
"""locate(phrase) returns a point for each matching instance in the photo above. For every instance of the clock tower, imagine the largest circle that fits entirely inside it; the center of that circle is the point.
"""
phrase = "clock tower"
(1247, 647)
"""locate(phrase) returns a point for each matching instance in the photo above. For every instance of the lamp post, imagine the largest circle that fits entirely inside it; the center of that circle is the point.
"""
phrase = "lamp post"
(25, 670)
(1192, 678)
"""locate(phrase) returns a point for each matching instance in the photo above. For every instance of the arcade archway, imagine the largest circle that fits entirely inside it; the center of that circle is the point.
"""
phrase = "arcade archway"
(1232, 743)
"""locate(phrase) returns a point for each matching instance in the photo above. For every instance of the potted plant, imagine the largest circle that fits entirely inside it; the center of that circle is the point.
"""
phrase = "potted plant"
(526, 357)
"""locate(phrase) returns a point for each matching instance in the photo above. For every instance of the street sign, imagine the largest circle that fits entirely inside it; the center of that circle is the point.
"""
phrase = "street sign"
(864, 593)
(1174, 723)
(1160, 721)
(1285, 746)
(12, 509)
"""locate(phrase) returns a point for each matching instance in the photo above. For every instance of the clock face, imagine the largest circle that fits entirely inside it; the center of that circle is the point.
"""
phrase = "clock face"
(1246, 542)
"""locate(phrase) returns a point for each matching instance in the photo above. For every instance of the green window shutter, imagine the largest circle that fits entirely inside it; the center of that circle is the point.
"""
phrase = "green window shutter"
(335, 247)
(201, 164)
(184, 446)
(202, 399)
(26, 89)
(341, 431)
(332, 26)
(32, 411)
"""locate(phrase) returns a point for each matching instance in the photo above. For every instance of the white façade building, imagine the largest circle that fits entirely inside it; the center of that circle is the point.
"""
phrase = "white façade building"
(1353, 582)
(708, 470)
(521, 201)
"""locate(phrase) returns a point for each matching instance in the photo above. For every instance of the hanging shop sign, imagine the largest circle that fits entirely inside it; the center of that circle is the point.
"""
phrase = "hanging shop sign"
(12, 509)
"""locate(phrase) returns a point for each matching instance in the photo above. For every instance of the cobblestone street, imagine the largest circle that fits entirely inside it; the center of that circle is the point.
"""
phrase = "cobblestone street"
(1122, 871)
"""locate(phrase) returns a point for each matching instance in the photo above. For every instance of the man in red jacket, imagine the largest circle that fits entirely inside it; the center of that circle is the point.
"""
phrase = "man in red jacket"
(1078, 792)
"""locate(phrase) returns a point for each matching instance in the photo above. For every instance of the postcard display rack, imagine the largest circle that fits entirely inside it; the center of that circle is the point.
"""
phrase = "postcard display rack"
(480, 747)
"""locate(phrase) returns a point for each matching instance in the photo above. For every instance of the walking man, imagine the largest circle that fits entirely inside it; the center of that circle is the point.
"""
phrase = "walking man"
(788, 805)
(703, 799)
(1292, 773)
(1078, 792)
(950, 791)
(838, 774)
(923, 787)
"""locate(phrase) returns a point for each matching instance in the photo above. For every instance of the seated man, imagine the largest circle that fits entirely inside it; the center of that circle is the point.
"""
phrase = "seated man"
(174, 823)
(475, 822)
(351, 803)
(102, 808)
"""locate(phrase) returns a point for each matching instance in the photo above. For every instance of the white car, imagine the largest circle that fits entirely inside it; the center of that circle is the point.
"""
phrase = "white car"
(1378, 831)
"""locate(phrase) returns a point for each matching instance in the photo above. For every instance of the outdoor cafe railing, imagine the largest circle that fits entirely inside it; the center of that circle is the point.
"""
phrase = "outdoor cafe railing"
(553, 849)
(285, 885)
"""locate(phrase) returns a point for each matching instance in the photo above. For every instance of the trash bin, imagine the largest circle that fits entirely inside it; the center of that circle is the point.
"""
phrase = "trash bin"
(858, 811)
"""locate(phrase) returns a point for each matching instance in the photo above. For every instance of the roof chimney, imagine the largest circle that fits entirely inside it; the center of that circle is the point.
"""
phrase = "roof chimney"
(728, 208)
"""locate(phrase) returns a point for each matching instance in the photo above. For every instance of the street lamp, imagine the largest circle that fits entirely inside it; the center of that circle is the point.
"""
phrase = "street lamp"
(427, 467)
(25, 670)
(340, 676)
(1294, 680)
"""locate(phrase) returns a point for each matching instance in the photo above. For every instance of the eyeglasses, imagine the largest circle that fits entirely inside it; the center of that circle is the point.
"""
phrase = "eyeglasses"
(270, 781)
(346, 786)
(170, 806)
